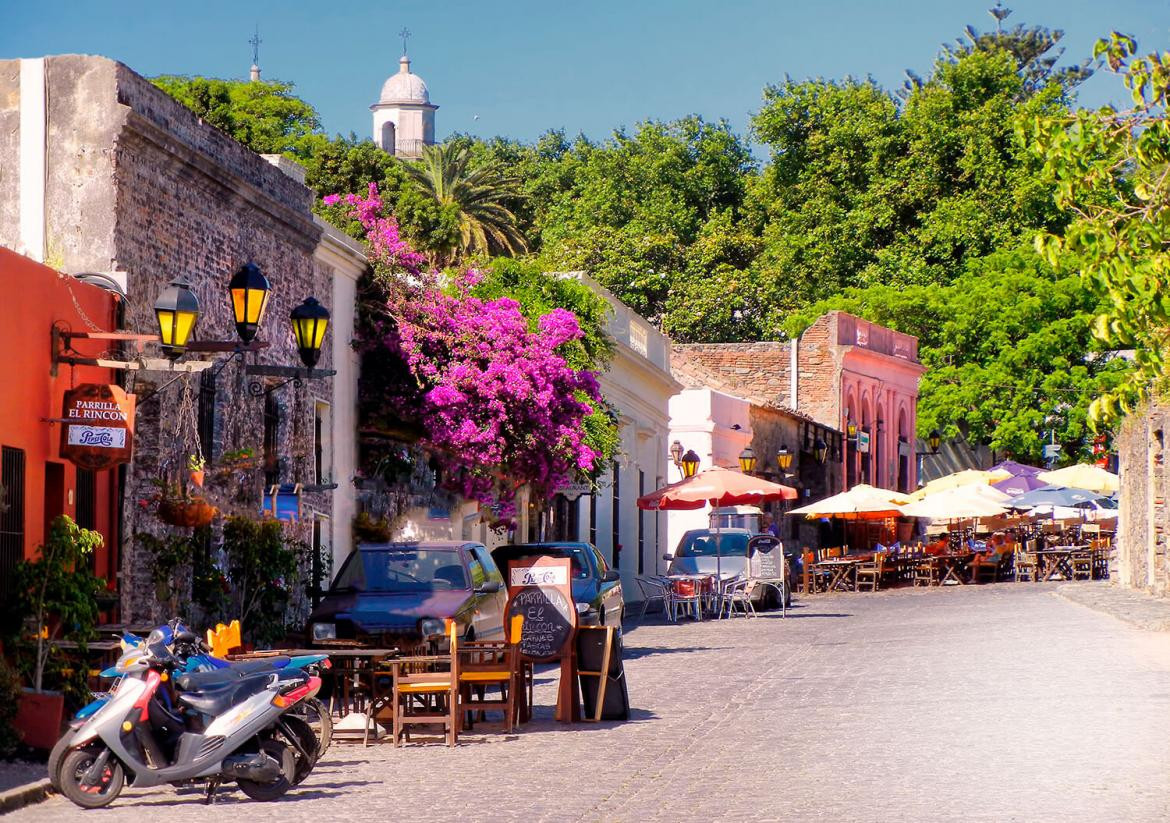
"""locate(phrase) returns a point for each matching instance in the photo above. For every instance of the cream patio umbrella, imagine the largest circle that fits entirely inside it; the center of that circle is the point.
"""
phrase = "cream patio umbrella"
(965, 477)
(1083, 476)
(957, 504)
(861, 502)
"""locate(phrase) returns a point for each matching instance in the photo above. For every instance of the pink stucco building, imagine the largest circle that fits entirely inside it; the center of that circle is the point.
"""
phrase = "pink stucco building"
(842, 369)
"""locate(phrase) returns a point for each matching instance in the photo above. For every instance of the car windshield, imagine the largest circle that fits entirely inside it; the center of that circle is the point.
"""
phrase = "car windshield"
(702, 544)
(401, 570)
(576, 554)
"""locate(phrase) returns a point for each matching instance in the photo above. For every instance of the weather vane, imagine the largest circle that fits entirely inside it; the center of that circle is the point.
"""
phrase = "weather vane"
(256, 41)
(405, 35)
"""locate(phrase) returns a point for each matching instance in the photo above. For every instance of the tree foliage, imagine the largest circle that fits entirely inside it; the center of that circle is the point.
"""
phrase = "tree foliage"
(265, 116)
(1008, 347)
(1110, 168)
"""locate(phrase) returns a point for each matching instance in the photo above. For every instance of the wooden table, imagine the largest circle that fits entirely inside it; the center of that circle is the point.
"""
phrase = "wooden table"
(842, 573)
(952, 566)
(1057, 560)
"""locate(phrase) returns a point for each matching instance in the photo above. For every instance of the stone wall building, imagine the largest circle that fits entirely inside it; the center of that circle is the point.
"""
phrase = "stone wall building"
(102, 172)
(1143, 554)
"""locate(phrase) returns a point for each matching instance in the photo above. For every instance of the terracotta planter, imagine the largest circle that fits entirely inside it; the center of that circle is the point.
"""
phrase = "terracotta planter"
(38, 718)
(197, 477)
(186, 513)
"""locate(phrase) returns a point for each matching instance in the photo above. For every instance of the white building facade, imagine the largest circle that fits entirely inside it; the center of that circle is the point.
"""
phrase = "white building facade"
(717, 427)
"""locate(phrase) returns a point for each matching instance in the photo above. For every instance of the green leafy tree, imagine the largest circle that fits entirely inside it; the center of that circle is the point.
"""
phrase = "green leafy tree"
(473, 199)
(1008, 348)
(1110, 168)
(265, 116)
(262, 567)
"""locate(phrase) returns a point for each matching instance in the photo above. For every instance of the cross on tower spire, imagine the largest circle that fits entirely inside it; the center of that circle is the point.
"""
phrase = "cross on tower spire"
(256, 41)
(405, 35)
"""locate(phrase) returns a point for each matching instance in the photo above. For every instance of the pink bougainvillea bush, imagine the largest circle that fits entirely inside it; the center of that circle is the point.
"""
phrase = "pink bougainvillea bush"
(496, 399)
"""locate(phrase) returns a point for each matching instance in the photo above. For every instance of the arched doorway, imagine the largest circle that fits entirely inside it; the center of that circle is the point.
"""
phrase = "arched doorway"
(388, 137)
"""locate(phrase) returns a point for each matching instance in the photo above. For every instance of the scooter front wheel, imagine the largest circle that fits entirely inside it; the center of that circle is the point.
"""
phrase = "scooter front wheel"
(91, 791)
(282, 754)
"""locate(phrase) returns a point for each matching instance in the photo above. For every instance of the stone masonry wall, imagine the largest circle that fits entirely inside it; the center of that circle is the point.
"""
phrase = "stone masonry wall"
(1143, 552)
(137, 183)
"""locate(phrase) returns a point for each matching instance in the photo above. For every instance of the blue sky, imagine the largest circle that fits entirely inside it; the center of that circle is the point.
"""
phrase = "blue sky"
(523, 66)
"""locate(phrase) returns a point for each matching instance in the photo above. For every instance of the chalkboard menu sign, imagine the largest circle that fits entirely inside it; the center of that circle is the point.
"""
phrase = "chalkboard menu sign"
(540, 589)
(765, 556)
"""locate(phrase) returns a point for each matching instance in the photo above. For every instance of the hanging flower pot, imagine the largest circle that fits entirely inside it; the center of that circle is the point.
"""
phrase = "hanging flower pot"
(191, 514)
(197, 477)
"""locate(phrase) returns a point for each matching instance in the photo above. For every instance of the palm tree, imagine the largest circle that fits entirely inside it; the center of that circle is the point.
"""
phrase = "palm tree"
(486, 224)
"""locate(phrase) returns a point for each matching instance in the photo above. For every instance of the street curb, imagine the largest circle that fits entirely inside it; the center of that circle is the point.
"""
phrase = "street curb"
(25, 795)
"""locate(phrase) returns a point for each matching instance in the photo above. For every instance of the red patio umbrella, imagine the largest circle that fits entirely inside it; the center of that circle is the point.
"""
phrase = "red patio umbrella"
(719, 487)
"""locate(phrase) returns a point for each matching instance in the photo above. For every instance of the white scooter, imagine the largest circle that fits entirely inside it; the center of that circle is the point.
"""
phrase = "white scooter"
(231, 730)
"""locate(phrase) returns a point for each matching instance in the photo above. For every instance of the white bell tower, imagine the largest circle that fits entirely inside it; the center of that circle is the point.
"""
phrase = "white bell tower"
(404, 117)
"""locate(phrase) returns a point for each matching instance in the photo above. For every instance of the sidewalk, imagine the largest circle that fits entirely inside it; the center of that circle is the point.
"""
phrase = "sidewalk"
(21, 782)
(1127, 605)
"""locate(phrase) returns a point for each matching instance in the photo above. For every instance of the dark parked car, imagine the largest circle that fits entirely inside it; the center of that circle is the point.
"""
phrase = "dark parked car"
(398, 595)
(597, 589)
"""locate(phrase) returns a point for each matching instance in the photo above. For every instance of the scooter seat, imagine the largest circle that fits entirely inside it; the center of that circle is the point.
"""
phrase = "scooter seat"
(214, 699)
(200, 681)
(262, 664)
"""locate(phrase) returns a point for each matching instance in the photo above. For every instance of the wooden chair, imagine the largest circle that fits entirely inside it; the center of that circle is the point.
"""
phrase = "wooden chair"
(984, 566)
(1027, 563)
(426, 692)
(484, 665)
(927, 571)
(1082, 565)
(812, 579)
(869, 573)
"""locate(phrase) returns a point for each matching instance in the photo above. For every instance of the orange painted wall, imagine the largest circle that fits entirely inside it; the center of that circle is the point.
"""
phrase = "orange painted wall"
(32, 298)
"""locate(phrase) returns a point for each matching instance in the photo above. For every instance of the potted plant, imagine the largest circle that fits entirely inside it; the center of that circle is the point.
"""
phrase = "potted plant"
(195, 468)
(178, 507)
(58, 598)
(237, 460)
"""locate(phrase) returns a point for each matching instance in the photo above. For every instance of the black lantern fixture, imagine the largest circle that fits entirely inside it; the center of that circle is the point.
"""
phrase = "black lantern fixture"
(177, 310)
(309, 321)
(690, 463)
(747, 460)
(784, 459)
(820, 450)
(851, 428)
(933, 439)
(249, 291)
(676, 453)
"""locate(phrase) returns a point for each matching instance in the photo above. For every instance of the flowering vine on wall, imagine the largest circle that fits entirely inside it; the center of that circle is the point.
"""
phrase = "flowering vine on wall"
(495, 396)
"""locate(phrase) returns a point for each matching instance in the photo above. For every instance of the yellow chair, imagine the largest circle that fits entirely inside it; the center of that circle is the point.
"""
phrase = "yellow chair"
(491, 664)
(224, 639)
(426, 691)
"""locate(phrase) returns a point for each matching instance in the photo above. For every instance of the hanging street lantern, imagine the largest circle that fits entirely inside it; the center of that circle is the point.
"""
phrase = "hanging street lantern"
(851, 428)
(309, 321)
(784, 459)
(820, 450)
(676, 453)
(249, 291)
(747, 460)
(177, 310)
(690, 463)
(933, 439)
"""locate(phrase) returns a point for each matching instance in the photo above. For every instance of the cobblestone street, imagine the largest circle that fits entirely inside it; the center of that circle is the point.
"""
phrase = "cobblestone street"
(992, 703)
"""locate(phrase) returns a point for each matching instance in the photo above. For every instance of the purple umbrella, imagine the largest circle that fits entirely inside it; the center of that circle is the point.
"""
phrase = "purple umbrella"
(1015, 486)
(1016, 469)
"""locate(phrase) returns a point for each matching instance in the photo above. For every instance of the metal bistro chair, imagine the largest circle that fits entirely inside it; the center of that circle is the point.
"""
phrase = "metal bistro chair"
(654, 589)
(688, 596)
(736, 592)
